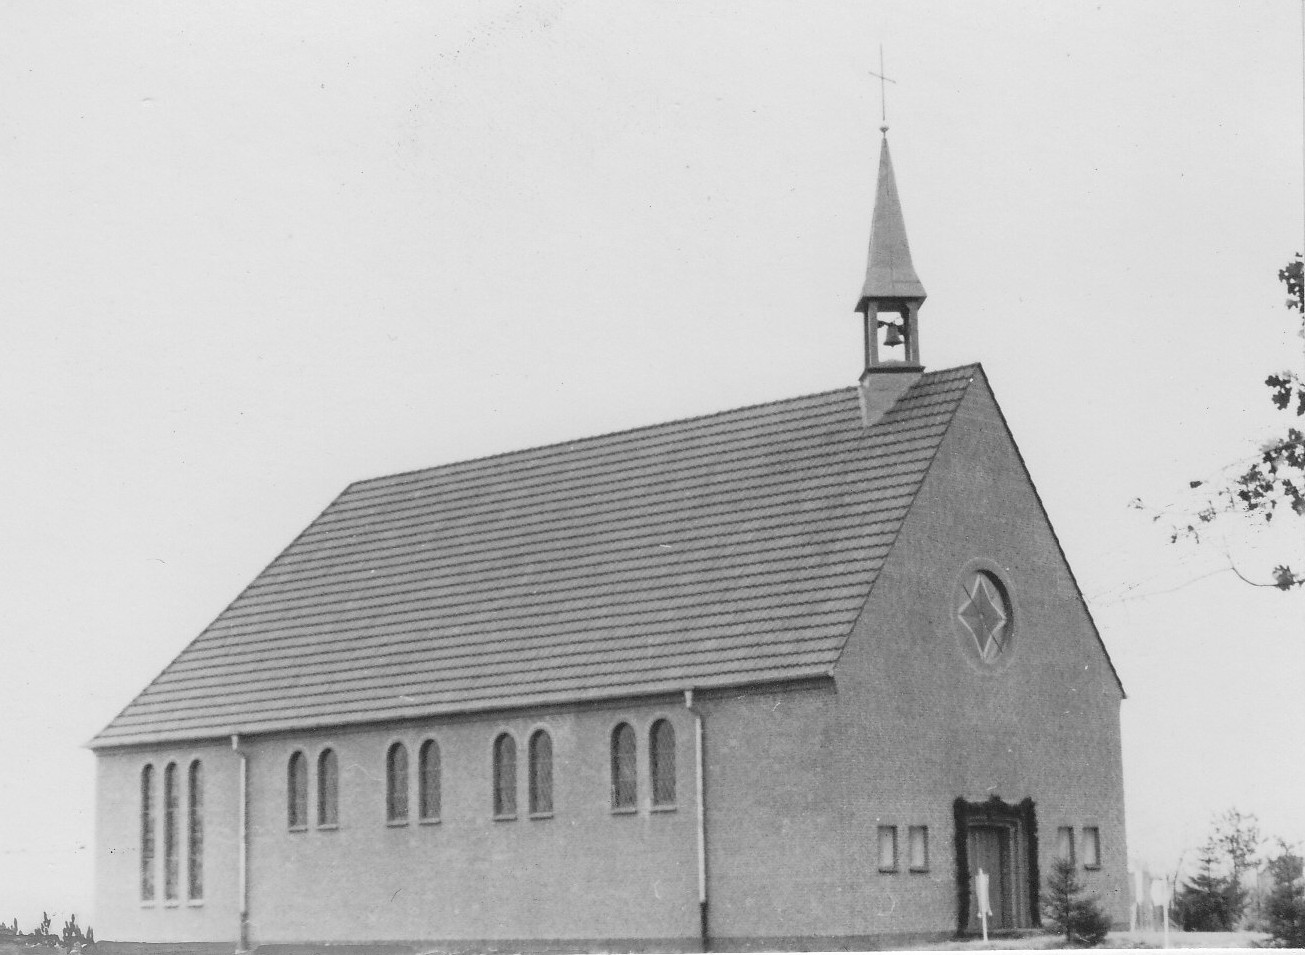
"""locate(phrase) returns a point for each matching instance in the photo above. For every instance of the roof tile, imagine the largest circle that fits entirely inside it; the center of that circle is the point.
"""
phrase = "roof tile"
(729, 549)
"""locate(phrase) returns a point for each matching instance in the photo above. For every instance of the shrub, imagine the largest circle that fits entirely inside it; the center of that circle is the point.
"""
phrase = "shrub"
(1068, 911)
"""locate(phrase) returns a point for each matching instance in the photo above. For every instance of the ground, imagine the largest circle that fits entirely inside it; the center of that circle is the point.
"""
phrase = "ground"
(1118, 940)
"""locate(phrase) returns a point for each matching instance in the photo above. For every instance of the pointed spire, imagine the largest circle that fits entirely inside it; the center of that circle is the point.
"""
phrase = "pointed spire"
(889, 273)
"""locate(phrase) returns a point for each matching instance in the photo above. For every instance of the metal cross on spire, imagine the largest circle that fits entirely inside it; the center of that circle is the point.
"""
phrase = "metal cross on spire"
(883, 95)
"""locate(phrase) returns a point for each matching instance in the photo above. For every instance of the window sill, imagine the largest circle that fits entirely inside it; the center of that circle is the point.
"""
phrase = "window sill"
(542, 815)
(195, 903)
(148, 903)
(298, 829)
(893, 871)
(1092, 868)
(505, 818)
(625, 810)
(665, 807)
(396, 823)
(432, 821)
(919, 869)
(172, 904)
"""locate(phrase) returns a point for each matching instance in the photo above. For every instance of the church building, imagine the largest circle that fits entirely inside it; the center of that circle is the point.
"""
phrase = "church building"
(787, 676)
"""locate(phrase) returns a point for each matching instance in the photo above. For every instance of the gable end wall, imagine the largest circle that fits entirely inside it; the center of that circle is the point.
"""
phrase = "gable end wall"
(922, 722)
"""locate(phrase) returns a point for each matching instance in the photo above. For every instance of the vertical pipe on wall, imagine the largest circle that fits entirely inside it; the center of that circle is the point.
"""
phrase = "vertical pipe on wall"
(242, 848)
(702, 816)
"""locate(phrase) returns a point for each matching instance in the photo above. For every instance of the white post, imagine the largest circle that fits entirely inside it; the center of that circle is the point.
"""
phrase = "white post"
(981, 899)
(1160, 897)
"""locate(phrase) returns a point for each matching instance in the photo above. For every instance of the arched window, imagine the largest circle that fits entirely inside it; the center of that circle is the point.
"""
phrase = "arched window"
(396, 783)
(541, 772)
(428, 781)
(328, 788)
(505, 777)
(195, 832)
(147, 833)
(625, 784)
(296, 791)
(170, 807)
(661, 760)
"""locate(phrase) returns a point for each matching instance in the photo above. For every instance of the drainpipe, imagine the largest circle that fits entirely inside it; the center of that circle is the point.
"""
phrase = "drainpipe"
(242, 850)
(702, 817)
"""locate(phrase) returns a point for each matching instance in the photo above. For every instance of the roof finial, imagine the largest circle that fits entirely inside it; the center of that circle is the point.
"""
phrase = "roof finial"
(883, 96)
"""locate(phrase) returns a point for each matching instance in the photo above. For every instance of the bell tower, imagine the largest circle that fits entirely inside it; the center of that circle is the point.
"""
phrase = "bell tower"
(892, 294)
(890, 301)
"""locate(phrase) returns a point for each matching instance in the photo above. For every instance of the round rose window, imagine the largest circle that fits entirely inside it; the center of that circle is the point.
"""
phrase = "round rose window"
(985, 614)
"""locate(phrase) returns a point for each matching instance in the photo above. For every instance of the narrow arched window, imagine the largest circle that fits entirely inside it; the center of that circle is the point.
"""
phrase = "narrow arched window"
(170, 857)
(147, 833)
(625, 785)
(541, 773)
(661, 761)
(396, 783)
(328, 788)
(296, 791)
(195, 832)
(505, 777)
(428, 781)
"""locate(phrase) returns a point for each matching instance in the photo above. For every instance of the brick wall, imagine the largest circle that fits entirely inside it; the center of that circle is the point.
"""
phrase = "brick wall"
(799, 783)
(583, 873)
(798, 778)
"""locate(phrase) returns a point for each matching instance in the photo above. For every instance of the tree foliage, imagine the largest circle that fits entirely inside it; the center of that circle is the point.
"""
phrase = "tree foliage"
(1273, 483)
(1207, 901)
(1067, 910)
(1214, 899)
(1285, 910)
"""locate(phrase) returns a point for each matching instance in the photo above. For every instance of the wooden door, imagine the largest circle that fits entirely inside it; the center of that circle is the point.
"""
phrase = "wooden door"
(990, 851)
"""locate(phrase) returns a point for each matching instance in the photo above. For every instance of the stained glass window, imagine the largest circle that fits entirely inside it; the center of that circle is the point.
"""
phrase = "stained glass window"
(505, 777)
(887, 848)
(919, 848)
(1065, 843)
(396, 783)
(541, 773)
(985, 611)
(328, 788)
(195, 833)
(428, 781)
(625, 786)
(661, 759)
(147, 833)
(171, 861)
(297, 791)
(1091, 847)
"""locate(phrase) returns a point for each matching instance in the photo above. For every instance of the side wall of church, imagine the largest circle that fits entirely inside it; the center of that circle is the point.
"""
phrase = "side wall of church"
(585, 872)
(799, 784)
(120, 912)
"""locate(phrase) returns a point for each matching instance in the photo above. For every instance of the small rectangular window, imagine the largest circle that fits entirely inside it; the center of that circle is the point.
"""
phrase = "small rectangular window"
(887, 848)
(1065, 843)
(1091, 847)
(919, 848)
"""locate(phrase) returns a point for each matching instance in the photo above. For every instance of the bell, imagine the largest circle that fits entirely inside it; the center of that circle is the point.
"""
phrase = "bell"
(894, 336)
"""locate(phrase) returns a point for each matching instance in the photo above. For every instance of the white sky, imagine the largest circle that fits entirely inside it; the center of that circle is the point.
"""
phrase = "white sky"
(251, 252)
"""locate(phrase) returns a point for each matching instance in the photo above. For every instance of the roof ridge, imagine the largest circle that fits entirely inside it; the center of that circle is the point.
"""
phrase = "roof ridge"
(606, 435)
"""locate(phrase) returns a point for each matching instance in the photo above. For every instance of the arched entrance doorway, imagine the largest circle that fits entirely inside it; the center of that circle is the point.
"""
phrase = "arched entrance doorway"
(1002, 840)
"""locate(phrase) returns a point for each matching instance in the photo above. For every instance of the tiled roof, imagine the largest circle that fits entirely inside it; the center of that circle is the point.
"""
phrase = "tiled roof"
(730, 549)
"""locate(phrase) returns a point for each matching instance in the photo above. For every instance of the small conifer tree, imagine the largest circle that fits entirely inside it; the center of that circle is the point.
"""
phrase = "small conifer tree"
(1286, 903)
(1207, 902)
(1067, 910)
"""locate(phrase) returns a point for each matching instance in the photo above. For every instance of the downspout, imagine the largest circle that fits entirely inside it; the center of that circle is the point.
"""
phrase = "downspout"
(242, 849)
(700, 766)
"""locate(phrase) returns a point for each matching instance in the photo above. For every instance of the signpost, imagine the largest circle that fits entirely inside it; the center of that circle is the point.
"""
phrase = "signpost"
(1160, 897)
(981, 896)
